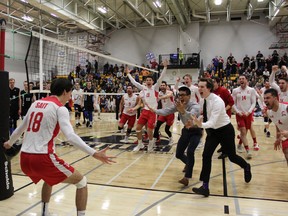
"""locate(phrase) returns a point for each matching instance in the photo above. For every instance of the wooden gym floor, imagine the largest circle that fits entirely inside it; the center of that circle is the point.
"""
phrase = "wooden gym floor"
(147, 183)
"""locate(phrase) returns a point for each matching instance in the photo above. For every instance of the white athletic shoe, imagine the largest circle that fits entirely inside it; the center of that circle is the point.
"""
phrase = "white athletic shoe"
(249, 154)
(126, 139)
(239, 148)
(138, 147)
(150, 146)
(171, 141)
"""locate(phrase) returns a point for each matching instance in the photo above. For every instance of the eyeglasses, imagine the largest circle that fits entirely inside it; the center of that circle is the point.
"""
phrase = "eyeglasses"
(182, 95)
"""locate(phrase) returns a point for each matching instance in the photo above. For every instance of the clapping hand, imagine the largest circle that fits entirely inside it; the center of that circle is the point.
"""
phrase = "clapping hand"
(198, 121)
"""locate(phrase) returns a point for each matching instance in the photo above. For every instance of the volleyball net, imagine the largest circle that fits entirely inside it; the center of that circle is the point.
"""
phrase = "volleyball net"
(49, 58)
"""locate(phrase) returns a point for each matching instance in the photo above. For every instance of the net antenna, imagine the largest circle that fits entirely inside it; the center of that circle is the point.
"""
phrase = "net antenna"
(50, 57)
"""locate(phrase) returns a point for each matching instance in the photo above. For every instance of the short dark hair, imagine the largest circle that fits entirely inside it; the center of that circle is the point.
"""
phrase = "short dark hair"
(149, 76)
(186, 89)
(284, 78)
(59, 85)
(164, 82)
(209, 83)
(217, 79)
(272, 91)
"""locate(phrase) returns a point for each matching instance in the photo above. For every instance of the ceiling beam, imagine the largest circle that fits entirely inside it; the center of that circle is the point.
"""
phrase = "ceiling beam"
(135, 9)
(118, 15)
(228, 10)
(208, 10)
(173, 5)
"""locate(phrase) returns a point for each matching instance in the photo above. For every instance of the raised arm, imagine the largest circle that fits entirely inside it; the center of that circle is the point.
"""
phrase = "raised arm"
(272, 81)
(163, 74)
(132, 80)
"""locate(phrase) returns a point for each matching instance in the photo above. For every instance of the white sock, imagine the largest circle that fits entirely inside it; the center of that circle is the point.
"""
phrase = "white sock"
(140, 142)
(77, 121)
(44, 209)
(80, 213)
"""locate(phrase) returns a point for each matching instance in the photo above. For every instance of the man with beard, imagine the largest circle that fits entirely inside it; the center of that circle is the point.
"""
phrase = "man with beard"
(166, 98)
(150, 97)
(282, 88)
(278, 113)
(245, 100)
(128, 112)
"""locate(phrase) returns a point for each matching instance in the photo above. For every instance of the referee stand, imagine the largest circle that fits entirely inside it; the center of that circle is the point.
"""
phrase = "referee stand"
(6, 183)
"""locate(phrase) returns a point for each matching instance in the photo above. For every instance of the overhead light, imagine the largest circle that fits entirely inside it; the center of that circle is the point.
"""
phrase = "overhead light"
(24, 1)
(260, 0)
(157, 4)
(27, 18)
(218, 2)
(54, 15)
(102, 9)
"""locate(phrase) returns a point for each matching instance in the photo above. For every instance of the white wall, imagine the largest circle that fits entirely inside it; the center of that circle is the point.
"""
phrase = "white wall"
(238, 37)
(132, 45)
(16, 47)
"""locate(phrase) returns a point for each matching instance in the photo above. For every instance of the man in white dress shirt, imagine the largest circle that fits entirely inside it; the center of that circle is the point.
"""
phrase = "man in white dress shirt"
(219, 130)
(38, 158)
(278, 113)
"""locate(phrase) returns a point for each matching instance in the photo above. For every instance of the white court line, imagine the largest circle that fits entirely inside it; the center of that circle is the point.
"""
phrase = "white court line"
(146, 195)
(100, 191)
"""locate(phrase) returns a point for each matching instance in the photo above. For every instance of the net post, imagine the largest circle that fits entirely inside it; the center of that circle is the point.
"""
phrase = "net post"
(2, 43)
(6, 183)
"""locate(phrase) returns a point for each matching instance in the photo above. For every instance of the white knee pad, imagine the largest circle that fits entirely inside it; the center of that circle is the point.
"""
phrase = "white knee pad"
(138, 131)
(82, 183)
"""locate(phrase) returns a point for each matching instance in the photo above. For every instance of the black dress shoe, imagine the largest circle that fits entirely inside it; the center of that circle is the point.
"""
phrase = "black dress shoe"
(184, 170)
(184, 181)
(201, 191)
(247, 173)
(222, 156)
(219, 150)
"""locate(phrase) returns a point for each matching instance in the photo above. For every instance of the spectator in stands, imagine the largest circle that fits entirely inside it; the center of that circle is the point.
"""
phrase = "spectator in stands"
(246, 61)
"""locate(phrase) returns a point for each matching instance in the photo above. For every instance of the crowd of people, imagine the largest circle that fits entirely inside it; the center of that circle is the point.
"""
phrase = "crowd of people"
(207, 105)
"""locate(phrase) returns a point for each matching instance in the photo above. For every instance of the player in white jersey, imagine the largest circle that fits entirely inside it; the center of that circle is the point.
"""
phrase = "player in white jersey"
(195, 95)
(38, 158)
(127, 111)
(167, 101)
(244, 103)
(77, 100)
(282, 88)
(150, 96)
(262, 105)
(278, 113)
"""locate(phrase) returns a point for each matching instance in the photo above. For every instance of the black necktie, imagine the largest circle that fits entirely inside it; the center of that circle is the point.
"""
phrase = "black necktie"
(205, 112)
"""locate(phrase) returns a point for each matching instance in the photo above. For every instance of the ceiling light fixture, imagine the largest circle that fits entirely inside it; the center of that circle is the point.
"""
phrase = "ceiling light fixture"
(157, 4)
(54, 15)
(260, 0)
(24, 1)
(102, 9)
(27, 18)
(218, 2)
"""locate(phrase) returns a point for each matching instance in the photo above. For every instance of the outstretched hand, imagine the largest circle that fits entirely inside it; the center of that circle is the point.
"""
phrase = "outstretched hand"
(101, 155)
(165, 63)
(198, 121)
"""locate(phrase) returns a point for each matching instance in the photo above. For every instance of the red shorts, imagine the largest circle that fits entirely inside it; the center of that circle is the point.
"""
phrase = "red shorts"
(169, 119)
(126, 118)
(284, 144)
(47, 167)
(244, 121)
(147, 117)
